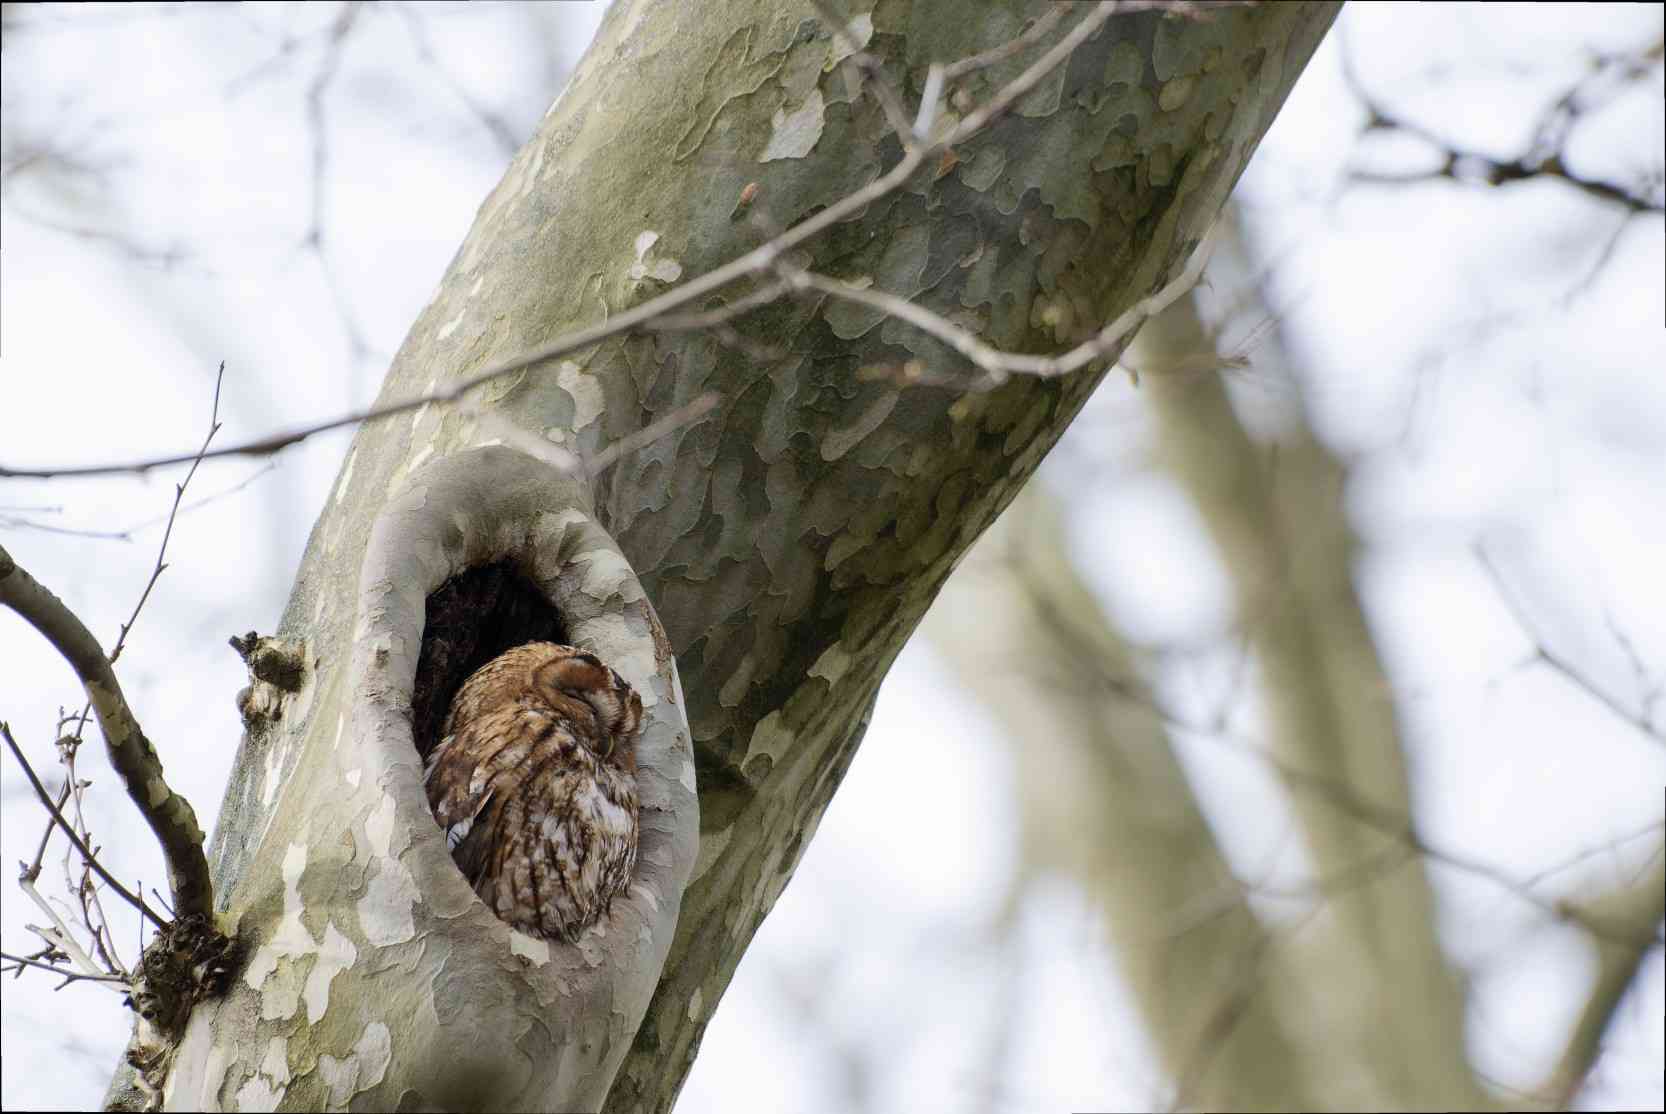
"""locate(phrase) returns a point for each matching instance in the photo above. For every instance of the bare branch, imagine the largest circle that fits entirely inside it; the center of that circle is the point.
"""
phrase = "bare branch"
(995, 55)
(71, 976)
(173, 513)
(863, 70)
(996, 365)
(126, 533)
(758, 261)
(131, 754)
(1634, 909)
(647, 435)
(559, 456)
(46, 802)
(1542, 159)
(31, 870)
(1543, 652)
(92, 911)
(58, 938)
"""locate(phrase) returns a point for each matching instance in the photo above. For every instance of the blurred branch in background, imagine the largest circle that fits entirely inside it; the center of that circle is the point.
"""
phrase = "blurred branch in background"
(1279, 524)
(1635, 910)
(1352, 1003)
(1545, 155)
(1104, 801)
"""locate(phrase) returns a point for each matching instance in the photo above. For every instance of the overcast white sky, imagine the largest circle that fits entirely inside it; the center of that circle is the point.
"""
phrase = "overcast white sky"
(155, 218)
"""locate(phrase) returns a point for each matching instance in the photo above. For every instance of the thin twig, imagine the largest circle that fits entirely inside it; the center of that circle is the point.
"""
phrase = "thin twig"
(1544, 653)
(59, 936)
(995, 55)
(997, 365)
(32, 871)
(72, 976)
(126, 533)
(127, 627)
(168, 814)
(648, 434)
(92, 860)
(759, 260)
(1637, 905)
(865, 71)
(173, 513)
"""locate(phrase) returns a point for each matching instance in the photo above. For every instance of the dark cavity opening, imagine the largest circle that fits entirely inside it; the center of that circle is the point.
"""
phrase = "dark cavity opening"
(469, 620)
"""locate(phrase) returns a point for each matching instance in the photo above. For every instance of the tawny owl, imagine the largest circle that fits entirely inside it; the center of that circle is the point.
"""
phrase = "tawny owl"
(534, 784)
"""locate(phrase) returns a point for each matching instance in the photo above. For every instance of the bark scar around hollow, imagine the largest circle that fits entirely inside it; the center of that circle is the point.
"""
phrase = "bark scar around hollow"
(504, 512)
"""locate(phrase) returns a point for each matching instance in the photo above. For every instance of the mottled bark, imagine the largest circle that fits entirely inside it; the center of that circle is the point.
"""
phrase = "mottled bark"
(789, 541)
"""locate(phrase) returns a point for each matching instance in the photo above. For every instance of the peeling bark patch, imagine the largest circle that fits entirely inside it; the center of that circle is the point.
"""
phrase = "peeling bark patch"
(1175, 93)
(258, 1094)
(265, 1088)
(499, 389)
(730, 75)
(335, 956)
(833, 664)
(346, 476)
(858, 31)
(605, 571)
(838, 442)
(795, 134)
(533, 950)
(585, 391)
(695, 1002)
(362, 1069)
(275, 1064)
(771, 736)
(213, 1077)
(269, 778)
(638, 667)
(272, 970)
(980, 172)
(385, 910)
(649, 265)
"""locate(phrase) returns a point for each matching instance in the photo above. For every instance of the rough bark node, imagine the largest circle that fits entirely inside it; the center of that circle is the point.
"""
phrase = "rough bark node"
(790, 540)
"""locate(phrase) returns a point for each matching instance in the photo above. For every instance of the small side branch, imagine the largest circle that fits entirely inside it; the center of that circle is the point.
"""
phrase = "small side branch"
(131, 754)
(87, 855)
(1635, 910)
(659, 313)
(997, 366)
(69, 976)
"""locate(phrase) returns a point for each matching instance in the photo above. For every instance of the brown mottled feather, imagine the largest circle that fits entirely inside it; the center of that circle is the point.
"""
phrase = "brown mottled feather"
(534, 784)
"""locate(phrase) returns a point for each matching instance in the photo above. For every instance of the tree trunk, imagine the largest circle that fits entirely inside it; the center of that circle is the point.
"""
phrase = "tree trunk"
(789, 541)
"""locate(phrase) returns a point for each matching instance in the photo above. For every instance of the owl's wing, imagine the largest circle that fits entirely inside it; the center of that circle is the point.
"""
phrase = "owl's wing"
(484, 761)
(471, 840)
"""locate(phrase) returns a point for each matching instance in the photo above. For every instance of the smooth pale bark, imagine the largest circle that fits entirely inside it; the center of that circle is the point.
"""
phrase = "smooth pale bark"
(789, 541)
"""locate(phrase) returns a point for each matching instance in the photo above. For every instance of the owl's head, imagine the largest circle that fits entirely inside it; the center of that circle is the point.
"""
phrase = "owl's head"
(611, 701)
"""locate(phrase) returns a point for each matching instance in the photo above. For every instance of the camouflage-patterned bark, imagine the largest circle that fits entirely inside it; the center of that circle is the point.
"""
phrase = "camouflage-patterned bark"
(789, 541)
